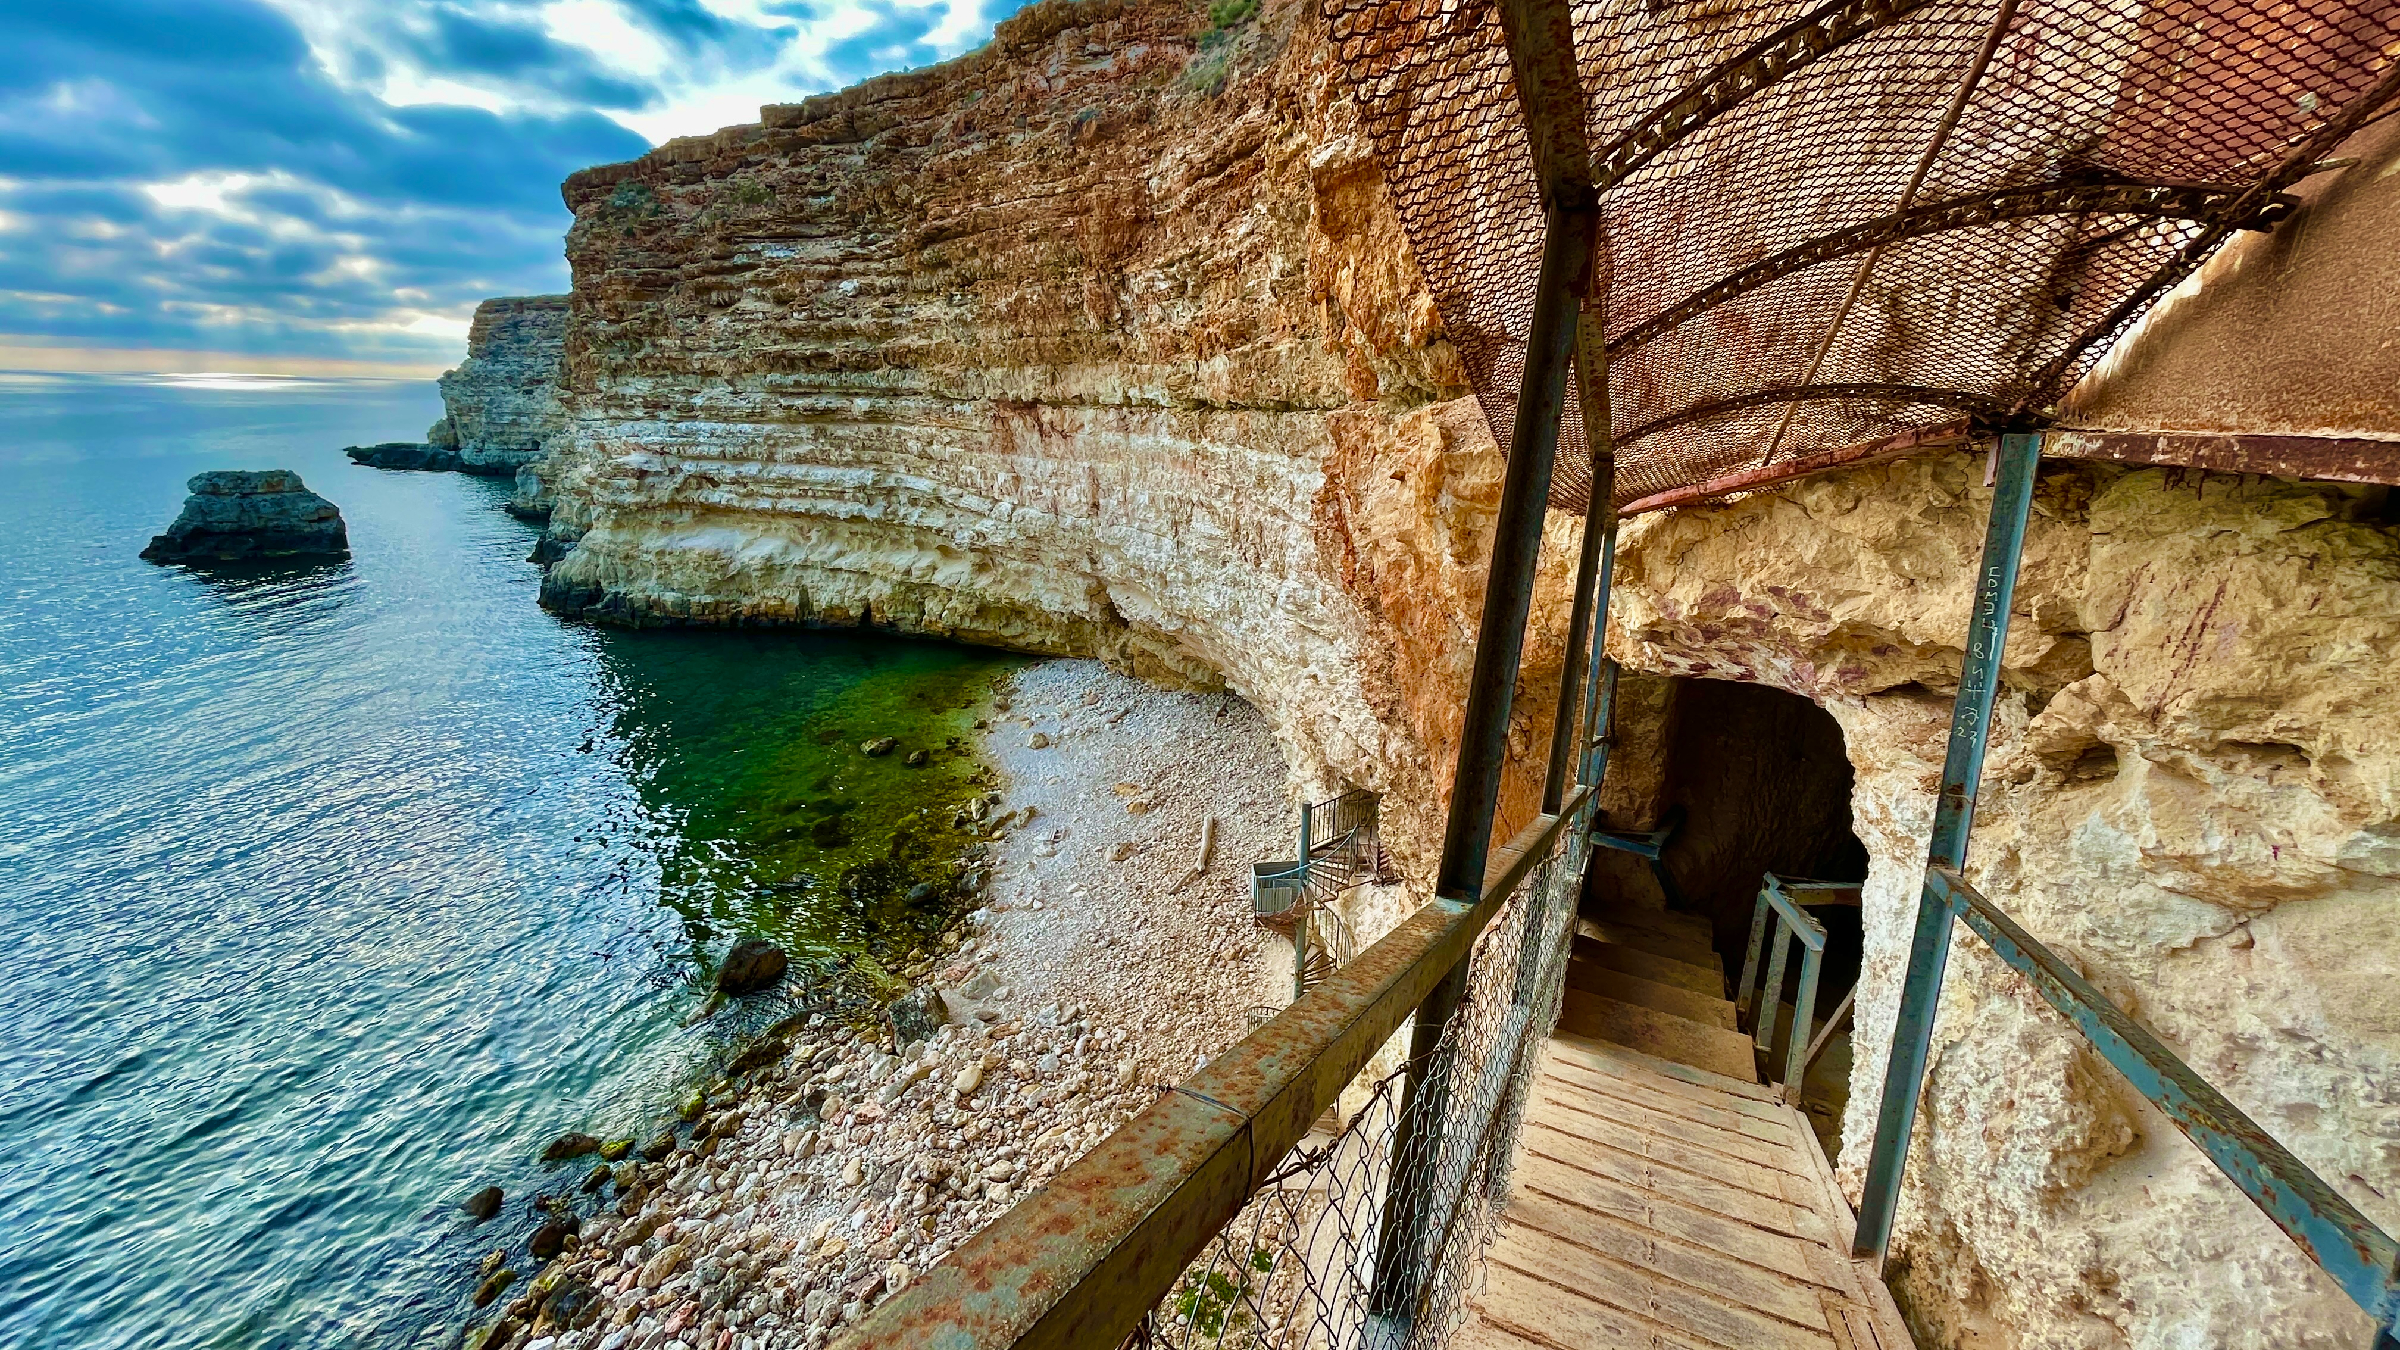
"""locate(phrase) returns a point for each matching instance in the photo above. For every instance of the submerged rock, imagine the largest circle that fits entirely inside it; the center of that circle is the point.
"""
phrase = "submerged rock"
(405, 455)
(482, 1204)
(881, 745)
(570, 1145)
(750, 965)
(236, 514)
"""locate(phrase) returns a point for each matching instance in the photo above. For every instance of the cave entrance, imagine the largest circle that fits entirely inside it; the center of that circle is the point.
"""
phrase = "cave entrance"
(1754, 780)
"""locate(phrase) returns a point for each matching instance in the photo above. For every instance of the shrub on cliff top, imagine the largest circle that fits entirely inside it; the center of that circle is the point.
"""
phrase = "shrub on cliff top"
(1225, 14)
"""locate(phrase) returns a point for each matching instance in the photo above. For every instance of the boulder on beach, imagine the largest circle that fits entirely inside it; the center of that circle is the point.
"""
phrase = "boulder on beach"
(235, 515)
(917, 1014)
(751, 965)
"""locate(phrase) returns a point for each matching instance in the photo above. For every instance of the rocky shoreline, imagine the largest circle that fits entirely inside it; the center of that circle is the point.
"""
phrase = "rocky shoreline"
(836, 1161)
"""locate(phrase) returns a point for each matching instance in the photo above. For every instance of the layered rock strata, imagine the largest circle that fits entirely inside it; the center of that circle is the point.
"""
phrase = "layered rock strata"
(1102, 340)
(235, 515)
(1105, 340)
(500, 406)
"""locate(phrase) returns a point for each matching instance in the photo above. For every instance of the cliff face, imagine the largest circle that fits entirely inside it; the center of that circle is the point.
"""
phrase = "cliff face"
(1105, 340)
(500, 406)
(1099, 340)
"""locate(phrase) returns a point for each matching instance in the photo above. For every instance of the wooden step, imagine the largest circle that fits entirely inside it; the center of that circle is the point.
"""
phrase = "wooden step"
(1668, 998)
(1658, 942)
(1658, 1033)
(1643, 965)
(1669, 922)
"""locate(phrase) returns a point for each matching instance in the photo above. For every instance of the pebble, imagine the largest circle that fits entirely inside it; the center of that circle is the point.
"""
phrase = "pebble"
(839, 1175)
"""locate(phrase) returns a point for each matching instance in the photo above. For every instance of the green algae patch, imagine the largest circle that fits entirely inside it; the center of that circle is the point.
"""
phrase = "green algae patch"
(809, 787)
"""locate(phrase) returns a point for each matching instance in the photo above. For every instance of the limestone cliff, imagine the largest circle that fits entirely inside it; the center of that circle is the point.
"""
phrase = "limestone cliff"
(1104, 339)
(1098, 340)
(500, 406)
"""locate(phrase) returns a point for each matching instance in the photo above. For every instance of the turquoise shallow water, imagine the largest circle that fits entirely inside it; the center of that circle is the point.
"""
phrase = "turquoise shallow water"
(328, 894)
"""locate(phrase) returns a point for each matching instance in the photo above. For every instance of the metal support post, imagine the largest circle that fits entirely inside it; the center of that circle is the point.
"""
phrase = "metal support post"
(1483, 739)
(1570, 729)
(1300, 908)
(1953, 820)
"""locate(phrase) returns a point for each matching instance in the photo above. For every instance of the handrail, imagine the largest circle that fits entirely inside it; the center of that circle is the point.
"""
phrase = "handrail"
(1763, 1002)
(2360, 1256)
(1079, 1262)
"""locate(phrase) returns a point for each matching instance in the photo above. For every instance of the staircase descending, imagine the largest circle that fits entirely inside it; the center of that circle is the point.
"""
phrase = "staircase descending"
(1661, 1197)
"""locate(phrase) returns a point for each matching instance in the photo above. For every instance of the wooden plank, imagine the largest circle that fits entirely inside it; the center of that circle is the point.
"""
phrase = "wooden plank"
(1696, 1190)
(1726, 1143)
(1666, 1075)
(1708, 1008)
(1721, 1113)
(1657, 1033)
(1568, 1318)
(1690, 951)
(1673, 923)
(1663, 969)
(1874, 1298)
(1480, 1333)
(1782, 1253)
(1635, 1289)
(1748, 1176)
(1721, 1277)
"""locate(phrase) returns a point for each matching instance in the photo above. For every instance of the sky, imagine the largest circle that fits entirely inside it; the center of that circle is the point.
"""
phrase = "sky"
(326, 187)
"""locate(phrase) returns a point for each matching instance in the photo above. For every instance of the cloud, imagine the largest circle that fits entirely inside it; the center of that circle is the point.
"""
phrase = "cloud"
(341, 180)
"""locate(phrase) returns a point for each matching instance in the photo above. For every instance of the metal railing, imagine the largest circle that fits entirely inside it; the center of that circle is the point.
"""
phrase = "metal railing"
(2361, 1257)
(1357, 1242)
(1113, 1239)
(1780, 918)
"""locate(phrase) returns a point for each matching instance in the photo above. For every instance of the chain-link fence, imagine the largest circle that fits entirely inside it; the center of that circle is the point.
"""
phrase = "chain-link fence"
(1370, 1235)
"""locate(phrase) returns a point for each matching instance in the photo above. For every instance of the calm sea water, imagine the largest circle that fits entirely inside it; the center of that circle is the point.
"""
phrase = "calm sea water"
(328, 894)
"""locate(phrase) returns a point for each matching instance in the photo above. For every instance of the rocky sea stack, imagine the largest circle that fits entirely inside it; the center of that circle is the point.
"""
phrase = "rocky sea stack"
(236, 514)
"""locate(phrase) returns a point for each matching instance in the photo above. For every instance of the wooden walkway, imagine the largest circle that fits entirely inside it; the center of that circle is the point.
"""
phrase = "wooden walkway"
(1658, 1203)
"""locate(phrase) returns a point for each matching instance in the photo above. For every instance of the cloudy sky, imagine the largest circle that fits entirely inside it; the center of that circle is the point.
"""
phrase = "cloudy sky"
(328, 186)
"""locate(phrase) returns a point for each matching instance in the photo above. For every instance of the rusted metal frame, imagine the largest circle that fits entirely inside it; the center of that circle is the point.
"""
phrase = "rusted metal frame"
(2360, 1256)
(1793, 47)
(2167, 201)
(1541, 57)
(1877, 451)
(2299, 163)
(2337, 459)
(1993, 33)
(1953, 821)
(1079, 1262)
(1483, 735)
(1979, 405)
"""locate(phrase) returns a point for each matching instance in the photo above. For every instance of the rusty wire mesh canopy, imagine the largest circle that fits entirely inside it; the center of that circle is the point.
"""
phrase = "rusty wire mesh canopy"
(1826, 224)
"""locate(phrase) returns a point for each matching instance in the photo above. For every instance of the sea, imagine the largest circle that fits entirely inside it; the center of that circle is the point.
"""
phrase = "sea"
(329, 893)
